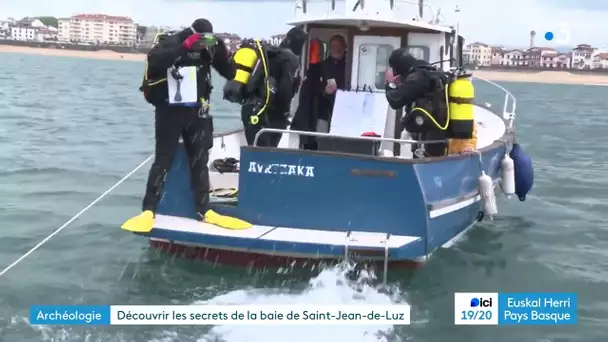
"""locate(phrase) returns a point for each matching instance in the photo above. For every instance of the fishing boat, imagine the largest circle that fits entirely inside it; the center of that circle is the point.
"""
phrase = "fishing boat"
(363, 197)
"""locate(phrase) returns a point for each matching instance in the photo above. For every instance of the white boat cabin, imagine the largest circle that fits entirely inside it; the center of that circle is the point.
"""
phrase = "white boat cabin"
(372, 30)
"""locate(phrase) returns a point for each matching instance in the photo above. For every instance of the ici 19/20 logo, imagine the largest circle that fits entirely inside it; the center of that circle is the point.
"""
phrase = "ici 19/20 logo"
(481, 303)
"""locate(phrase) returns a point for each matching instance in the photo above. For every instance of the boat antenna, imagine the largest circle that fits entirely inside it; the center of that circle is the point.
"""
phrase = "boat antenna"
(437, 16)
(360, 3)
(420, 8)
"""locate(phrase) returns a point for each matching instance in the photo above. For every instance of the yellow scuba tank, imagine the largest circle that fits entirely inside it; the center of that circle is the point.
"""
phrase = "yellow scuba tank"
(247, 60)
(461, 94)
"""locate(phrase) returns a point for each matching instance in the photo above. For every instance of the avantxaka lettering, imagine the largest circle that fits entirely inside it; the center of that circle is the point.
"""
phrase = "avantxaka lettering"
(282, 169)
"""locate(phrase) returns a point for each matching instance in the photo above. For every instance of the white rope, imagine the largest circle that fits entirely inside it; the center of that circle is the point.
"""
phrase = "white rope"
(58, 230)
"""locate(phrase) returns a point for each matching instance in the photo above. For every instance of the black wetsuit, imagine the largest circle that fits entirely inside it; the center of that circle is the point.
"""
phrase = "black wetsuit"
(283, 66)
(192, 123)
(336, 69)
(418, 88)
(309, 106)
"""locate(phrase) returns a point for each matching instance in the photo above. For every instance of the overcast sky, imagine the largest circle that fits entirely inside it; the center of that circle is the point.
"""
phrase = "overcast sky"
(489, 21)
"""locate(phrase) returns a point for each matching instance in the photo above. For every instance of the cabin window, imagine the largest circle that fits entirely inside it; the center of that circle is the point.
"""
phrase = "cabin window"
(373, 55)
(419, 51)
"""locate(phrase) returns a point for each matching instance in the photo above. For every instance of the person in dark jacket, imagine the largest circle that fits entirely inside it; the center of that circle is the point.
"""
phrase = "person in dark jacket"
(309, 106)
(421, 88)
(187, 57)
(333, 71)
(265, 84)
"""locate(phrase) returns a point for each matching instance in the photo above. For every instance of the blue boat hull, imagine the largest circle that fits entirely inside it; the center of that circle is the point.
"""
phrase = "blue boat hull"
(417, 205)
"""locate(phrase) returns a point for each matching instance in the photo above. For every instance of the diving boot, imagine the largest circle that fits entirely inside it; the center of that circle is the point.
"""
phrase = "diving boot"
(142, 223)
(223, 221)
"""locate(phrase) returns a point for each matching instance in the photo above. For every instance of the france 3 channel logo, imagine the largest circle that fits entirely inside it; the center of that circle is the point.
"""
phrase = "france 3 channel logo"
(476, 308)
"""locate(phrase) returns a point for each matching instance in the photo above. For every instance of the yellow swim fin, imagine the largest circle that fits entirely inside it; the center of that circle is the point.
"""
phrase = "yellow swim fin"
(142, 223)
(226, 222)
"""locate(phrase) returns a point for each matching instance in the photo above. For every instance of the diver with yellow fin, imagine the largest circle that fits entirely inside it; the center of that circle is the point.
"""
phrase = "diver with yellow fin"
(440, 104)
(179, 62)
(265, 82)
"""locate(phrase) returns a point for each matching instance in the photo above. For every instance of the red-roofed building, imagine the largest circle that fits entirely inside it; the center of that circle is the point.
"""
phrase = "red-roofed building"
(98, 29)
(600, 61)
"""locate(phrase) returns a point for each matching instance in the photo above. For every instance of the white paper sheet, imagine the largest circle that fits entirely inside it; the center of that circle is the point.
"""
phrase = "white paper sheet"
(355, 113)
(187, 86)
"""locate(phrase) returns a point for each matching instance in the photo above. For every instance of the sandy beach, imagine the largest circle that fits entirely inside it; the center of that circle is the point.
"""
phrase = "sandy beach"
(102, 54)
(554, 77)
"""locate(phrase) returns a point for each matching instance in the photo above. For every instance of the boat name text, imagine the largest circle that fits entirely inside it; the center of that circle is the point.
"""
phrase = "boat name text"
(282, 169)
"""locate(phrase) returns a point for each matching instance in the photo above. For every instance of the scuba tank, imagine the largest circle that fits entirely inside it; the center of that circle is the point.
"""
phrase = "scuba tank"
(251, 64)
(461, 94)
(452, 96)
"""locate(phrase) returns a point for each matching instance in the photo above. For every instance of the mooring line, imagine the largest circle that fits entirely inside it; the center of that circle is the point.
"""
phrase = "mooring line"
(58, 230)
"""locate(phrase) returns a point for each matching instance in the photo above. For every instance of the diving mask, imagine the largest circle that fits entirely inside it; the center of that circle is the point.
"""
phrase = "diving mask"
(208, 39)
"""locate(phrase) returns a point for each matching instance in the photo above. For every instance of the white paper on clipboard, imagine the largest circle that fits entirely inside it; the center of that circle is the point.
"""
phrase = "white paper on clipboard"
(185, 90)
(355, 113)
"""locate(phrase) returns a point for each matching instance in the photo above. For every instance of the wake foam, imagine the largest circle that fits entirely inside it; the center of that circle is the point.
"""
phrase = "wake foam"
(331, 287)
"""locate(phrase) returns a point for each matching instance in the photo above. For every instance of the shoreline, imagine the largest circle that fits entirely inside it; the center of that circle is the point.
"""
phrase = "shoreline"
(545, 77)
(532, 76)
(101, 54)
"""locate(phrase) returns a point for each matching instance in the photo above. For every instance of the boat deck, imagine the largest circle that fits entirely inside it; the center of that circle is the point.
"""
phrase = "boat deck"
(281, 240)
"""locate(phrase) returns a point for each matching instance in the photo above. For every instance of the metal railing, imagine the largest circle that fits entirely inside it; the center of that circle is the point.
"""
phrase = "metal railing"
(402, 8)
(507, 115)
(330, 135)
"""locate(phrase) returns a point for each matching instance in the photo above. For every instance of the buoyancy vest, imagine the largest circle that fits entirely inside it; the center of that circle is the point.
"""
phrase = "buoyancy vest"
(447, 107)
(154, 84)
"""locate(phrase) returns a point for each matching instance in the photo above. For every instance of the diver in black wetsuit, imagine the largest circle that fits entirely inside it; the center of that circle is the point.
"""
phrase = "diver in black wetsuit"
(174, 117)
(265, 92)
(417, 85)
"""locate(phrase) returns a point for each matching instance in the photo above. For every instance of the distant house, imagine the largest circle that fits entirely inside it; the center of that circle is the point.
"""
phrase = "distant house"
(600, 61)
(22, 32)
(548, 58)
(533, 55)
(497, 53)
(32, 22)
(480, 54)
(4, 24)
(515, 58)
(581, 56)
(563, 60)
(276, 39)
(45, 34)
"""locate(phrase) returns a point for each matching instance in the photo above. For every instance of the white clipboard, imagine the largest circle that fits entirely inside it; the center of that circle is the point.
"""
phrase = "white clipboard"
(184, 91)
(355, 113)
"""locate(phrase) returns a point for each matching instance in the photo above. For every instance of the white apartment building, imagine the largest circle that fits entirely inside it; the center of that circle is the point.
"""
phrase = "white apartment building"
(480, 54)
(98, 29)
(582, 56)
(4, 24)
(600, 61)
(514, 58)
(24, 33)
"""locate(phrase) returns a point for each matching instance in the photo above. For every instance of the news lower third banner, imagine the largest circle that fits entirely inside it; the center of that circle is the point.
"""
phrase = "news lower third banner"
(533, 308)
(219, 315)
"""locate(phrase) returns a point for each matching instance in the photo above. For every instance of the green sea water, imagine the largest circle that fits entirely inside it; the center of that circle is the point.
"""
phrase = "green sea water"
(71, 128)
